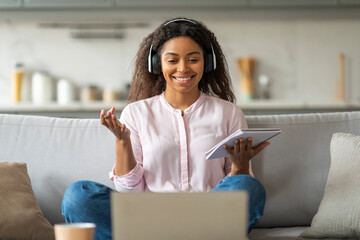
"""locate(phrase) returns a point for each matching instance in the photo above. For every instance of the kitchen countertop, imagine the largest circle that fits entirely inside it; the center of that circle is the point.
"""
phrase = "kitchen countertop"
(286, 104)
(119, 105)
(55, 107)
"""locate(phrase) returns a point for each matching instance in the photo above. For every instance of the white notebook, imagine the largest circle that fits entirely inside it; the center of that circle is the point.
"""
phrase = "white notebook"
(259, 135)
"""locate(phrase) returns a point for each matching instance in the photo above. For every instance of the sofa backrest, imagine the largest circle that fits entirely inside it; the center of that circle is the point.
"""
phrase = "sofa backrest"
(58, 152)
(293, 169)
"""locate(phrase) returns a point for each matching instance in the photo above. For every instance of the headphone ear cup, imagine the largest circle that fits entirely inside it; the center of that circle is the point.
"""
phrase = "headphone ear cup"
(208, 63)
(155, 61)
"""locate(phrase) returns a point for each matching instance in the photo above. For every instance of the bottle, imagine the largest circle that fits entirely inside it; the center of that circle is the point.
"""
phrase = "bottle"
(17, 81)
(264, 83)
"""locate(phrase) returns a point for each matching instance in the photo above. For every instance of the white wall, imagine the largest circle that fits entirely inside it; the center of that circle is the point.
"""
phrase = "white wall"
(300, 56)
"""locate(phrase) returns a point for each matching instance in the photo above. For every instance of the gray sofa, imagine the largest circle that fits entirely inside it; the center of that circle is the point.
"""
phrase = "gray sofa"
(293, 169)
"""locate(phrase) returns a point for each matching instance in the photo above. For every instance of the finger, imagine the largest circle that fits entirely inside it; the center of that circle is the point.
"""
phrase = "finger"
(115, 118)
(108, 113)
(110, 121)
(261, 147)
(229, 150)
(236, 146)
(102, 114)
(242, 145)
(249, 144)
(102, 118)
(117, 127)
(115, 122)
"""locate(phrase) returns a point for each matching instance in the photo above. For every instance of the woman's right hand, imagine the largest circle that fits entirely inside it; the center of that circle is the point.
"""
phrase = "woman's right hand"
(109, 120)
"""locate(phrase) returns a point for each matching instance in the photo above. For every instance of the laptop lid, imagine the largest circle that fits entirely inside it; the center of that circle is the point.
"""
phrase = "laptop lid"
(190, 216)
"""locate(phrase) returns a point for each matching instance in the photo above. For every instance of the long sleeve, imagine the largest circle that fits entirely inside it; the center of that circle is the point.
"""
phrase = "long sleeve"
(134, 180)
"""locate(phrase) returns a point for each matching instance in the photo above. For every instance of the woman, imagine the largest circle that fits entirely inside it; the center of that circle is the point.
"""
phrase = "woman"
(181, 106)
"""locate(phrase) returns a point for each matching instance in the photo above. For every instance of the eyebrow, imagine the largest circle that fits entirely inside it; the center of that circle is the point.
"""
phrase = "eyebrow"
(175, 54)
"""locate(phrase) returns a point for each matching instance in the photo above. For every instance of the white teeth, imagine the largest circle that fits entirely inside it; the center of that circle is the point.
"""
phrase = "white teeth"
(183, 79)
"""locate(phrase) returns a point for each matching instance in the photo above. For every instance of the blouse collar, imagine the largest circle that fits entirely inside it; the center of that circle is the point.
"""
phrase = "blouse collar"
(188, 110)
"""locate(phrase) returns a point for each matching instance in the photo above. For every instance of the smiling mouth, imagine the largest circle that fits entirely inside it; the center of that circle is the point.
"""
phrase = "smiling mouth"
(183, 79)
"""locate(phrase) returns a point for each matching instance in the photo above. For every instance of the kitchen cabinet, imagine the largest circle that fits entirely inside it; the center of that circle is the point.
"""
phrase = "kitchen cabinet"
(141, 4)
(349, 3)
(293, 3)
(182, 3)
(10, 3)
(68, 3)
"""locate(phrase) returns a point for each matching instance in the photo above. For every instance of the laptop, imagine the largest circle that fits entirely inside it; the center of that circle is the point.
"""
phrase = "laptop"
(179, 216)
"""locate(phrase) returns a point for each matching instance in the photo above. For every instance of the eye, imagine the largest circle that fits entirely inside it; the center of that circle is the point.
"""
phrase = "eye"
(193, 60)
(171, 60)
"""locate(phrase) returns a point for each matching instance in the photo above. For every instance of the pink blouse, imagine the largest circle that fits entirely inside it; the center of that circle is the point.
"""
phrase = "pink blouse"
(169, 148)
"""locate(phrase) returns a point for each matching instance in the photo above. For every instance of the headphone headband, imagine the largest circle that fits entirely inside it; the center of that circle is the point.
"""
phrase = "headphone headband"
(152, 61)
(179, 20)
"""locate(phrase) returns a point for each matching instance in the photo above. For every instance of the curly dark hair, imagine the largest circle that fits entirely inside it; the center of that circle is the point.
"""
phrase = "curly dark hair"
(145, 84)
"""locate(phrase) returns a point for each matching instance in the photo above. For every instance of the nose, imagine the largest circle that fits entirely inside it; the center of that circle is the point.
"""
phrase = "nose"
(182, 66)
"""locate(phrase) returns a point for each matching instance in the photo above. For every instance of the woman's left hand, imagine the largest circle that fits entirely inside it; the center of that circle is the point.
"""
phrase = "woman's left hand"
(241, 154)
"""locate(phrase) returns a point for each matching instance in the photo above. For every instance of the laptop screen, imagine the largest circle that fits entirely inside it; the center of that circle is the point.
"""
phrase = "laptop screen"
(190, 216)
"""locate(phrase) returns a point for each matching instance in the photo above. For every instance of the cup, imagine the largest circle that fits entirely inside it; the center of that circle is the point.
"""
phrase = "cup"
(74, 231)
(110, 95)
(89, 94)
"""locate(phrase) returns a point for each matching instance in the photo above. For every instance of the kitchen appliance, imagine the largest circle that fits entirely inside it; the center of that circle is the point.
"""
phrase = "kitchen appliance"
(65, 92)
(42, 88)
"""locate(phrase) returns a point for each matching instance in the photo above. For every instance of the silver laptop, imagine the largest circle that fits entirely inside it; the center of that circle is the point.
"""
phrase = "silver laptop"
(175, 216)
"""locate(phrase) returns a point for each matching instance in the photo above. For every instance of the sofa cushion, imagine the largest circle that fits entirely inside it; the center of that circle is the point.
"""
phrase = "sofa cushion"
(20, 215)
(339, 211)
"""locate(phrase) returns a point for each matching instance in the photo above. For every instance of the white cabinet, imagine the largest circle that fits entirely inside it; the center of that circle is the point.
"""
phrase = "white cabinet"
(10, 3)
(350, 2)
(168, 4)
(181, 3)
(68, 3)
(293, 3)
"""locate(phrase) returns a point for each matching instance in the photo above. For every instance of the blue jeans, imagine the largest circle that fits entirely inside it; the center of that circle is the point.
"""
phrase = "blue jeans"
(87, 201)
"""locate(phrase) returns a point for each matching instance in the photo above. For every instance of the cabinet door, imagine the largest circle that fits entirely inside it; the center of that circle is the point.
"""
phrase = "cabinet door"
(10, 3)
(350, 2)
(181, 3)
(67, 3)
(292, 3)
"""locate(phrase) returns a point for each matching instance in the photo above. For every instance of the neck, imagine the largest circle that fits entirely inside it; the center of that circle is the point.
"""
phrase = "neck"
(181, 101)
